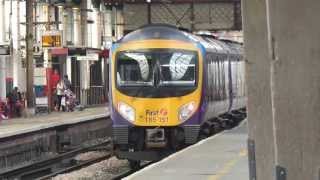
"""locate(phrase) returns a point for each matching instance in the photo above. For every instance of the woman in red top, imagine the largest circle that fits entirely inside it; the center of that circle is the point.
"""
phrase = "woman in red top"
(55, 78)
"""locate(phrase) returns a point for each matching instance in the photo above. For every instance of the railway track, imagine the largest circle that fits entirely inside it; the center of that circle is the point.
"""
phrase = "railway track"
(76, 167)
(129, 172)
(209, 128)
(47, 168)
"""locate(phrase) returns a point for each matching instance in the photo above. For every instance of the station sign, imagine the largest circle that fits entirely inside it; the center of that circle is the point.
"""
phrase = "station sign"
(51, 39)
(88, 57)
(4, 50)
(84, 54)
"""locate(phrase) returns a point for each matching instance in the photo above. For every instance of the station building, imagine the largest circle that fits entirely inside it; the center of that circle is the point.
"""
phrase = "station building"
(72, 37)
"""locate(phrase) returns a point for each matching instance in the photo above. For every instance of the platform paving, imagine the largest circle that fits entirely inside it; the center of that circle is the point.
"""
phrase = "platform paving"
(17, 126)
(221, 157)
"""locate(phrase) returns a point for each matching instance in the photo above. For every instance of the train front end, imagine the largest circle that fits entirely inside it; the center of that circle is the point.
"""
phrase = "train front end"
(156, 96)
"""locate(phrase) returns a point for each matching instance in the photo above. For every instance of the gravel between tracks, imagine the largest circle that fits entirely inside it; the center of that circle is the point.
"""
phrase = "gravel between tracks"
(101, 171)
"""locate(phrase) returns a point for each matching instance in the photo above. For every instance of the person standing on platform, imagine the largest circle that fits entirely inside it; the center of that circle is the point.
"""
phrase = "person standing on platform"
(67, 82)
(55, 77)
(15, 102)
(60, 93)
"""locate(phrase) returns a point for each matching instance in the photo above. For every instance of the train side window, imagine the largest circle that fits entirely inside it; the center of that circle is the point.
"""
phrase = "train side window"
(224, 77)
(209, 80)
(213, 80)
(217, 78)
(222, 81)
(212, 75)
(234, 70)
(226, 74)
(207, 63)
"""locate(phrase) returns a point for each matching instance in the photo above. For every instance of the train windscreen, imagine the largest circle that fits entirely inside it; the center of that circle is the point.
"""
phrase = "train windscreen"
(156, 69)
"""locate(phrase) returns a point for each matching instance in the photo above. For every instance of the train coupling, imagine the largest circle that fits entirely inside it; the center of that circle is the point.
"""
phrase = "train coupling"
(155, 138)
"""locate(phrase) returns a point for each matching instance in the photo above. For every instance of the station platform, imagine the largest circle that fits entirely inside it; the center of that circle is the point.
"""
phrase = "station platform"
(16, 126)
(220, 157)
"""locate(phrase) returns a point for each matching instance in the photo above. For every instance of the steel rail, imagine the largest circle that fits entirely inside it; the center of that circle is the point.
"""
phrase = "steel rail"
(131, 171)
(76, 167)
(21, 171)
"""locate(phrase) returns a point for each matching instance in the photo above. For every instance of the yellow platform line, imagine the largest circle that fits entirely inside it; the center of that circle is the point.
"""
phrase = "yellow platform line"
(229, 165)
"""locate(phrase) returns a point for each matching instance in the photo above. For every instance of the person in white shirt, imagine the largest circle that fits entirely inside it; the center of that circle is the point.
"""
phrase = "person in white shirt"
(61, 87)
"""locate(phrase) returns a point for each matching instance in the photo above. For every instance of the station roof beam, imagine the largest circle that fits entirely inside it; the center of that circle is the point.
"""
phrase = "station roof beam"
(190, 14)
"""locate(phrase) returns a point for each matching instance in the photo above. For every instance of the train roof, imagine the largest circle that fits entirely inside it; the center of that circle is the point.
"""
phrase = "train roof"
(156, 31)
(163, 31)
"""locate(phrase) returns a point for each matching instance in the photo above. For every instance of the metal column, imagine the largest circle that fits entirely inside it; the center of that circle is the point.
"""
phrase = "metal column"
(84, 65)
(18, 76)
(107, 26)
(107, 38)
(2, 58)
(29, 50)
(119, 22)
(96, 29)
(76, 27)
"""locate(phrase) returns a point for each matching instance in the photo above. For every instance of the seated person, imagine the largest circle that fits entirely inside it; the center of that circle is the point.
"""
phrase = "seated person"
(4, 110)
(15, 102)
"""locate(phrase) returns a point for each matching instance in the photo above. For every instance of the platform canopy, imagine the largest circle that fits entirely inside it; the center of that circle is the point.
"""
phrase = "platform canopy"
(191, 14)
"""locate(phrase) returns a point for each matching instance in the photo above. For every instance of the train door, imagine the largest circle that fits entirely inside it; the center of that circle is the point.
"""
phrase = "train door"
(229, 82)
(234, 65)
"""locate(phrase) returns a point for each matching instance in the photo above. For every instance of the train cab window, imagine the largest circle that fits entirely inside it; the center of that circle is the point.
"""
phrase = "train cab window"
(156, 72)
(134, 70)
(177, 68)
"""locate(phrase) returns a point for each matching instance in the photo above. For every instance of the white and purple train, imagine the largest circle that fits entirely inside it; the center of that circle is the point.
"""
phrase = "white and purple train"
(165, 83)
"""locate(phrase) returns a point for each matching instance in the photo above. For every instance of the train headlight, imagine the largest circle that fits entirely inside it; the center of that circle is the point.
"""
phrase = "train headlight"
(186, 111)
(126, 111)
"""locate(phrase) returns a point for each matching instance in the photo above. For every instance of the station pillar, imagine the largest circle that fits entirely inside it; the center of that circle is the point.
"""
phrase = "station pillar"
(107, 43)
(107, 23)
(2, 58)
(97, 28)
(63, 17)
(2, 78)
(19, 79)
(282, 64)
(76, 27)
(259, 105)
(84, 65)
(119, 22)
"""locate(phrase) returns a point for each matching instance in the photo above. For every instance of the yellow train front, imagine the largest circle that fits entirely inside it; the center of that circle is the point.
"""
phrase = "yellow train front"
(157, 99)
